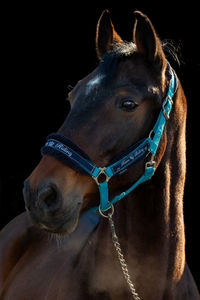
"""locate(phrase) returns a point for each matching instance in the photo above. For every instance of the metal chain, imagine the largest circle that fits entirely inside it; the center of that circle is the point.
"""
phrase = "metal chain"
(121, 258)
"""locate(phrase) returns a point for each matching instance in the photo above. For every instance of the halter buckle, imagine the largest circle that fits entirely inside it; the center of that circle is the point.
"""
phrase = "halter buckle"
(165, 109)
(149, 164)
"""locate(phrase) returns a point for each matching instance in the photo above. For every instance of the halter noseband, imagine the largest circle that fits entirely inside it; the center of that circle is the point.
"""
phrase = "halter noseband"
(69, 153)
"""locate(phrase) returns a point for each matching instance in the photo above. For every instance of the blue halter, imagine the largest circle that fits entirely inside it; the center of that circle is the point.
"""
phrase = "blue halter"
(65, 150)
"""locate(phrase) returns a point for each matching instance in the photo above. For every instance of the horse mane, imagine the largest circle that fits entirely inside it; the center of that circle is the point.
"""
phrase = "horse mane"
(172, 50)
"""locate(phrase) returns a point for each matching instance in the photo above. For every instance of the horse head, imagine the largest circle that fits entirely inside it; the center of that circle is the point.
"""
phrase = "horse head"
(111, 109)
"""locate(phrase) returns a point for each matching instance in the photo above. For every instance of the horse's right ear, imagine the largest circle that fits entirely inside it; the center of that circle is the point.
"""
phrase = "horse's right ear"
(105, 34)
(147, 41)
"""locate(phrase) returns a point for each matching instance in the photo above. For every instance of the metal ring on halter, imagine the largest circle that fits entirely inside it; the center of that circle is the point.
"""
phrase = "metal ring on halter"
(102, 171)
(109, 214)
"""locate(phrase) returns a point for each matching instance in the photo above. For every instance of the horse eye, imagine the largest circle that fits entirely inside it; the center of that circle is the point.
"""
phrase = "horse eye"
(128, 105)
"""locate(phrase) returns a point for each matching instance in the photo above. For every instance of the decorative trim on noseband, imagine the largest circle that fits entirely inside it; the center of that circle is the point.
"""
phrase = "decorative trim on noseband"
(69, 153)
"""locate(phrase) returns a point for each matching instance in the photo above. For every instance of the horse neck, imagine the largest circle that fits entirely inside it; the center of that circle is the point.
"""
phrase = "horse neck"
(150, 220)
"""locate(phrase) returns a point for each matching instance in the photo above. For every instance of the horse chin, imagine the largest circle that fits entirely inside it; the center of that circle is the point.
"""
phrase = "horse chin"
(63, 225)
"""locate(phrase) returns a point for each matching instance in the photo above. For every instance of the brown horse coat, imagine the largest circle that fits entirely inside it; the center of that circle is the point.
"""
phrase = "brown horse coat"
(38, 265)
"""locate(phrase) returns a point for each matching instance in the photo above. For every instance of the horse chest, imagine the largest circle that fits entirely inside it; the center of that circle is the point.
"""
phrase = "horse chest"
(46, 271)
(43, 272)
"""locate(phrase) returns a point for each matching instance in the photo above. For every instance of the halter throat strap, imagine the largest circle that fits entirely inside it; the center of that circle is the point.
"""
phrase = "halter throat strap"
(69, 153)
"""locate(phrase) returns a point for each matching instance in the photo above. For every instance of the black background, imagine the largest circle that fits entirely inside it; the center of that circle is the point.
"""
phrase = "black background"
(48, 47)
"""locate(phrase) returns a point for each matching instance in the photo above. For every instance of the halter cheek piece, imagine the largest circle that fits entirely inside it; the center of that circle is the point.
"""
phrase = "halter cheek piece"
(69, 153)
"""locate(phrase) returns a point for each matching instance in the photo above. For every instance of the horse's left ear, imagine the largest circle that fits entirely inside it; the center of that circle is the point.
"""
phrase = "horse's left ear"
(147, 41)
(105, 35)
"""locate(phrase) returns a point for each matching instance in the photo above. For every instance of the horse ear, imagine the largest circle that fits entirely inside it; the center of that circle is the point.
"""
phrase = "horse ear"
(146, 40)
(105, 34)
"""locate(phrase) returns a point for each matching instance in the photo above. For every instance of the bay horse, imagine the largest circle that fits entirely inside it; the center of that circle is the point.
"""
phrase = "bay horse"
(61, 248)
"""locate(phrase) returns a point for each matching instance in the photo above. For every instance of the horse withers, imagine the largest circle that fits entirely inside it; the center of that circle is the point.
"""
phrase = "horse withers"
(61, 248)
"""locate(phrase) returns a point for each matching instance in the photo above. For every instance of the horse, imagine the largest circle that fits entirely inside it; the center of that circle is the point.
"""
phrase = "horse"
(123, 117)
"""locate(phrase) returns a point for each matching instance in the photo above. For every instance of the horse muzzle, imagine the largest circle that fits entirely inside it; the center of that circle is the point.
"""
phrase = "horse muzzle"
(49, 209)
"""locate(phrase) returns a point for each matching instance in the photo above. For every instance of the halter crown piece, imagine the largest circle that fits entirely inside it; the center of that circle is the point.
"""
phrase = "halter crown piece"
(69, 153)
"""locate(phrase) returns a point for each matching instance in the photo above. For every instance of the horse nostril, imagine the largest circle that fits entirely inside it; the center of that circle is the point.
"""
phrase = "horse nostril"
(48, 199)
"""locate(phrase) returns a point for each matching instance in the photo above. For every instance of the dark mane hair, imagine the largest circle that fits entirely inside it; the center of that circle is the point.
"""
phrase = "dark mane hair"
(172, 50)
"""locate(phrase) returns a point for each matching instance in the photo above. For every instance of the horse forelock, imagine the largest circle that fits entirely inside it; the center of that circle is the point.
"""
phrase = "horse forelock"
(110, 59)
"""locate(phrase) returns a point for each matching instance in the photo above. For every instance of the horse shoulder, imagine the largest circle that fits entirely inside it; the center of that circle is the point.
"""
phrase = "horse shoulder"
(185, 289)
(13, 241)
